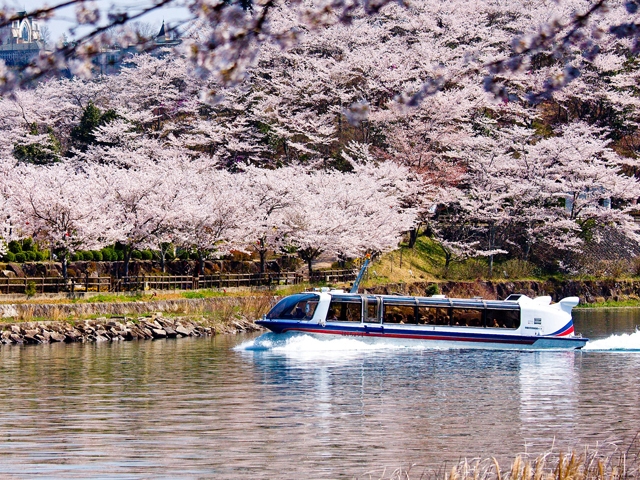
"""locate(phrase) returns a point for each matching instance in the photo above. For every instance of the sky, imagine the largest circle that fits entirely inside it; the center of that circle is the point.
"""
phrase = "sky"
(65, 18)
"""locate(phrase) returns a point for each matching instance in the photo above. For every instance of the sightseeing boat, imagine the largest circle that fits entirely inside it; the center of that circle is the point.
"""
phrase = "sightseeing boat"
(518, 322)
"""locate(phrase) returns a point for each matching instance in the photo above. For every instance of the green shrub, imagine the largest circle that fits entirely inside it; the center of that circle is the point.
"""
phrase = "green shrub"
(9, 257)
(15, 246)
(108, 255)
(516, 269)
(21, 257)
(97, 256)
(76, 256)
(28, 245)
(87, 255)
(136, 254)
(183, 255)
(432, 289)
(147, 255)
(46, 254)
(194, 256)
(119, 255)
(40, 256)
(30, 289)
(30, 256)
(170, 255)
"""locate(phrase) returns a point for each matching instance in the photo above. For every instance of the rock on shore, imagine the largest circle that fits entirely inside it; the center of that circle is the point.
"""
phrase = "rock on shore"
(115, 329)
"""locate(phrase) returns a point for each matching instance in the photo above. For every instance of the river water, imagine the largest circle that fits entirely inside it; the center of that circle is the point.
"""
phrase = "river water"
(220, 408)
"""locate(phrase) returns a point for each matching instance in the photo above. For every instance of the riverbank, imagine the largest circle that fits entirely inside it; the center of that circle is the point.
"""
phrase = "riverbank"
(114, 329)
(155, 315)
(605, 292)
(32, 323)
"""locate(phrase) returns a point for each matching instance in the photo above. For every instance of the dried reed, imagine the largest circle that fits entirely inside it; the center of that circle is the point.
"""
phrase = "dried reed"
(592, 464)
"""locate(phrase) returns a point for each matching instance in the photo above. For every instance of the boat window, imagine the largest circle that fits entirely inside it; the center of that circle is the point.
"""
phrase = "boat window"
(433, 315)
(344, 311)
(297, 307)
(467, 317)
(503, 318)
(372, 310)
(399, 314)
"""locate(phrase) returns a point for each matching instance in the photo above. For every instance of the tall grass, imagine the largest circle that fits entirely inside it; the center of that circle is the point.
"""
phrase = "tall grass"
(591, 464)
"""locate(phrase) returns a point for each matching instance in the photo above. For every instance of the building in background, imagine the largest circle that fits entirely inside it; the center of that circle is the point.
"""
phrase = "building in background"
(20, 41)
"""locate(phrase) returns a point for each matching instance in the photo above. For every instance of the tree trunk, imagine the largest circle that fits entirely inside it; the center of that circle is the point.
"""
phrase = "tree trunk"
(127, 259)
(65, 263)
(309, 266)
(413, 237)
(200, 264)
(492, 241)
(263, 260)
(490, 265)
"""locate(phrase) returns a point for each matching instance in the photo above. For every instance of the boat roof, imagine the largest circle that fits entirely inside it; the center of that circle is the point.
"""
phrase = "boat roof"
(434, 301)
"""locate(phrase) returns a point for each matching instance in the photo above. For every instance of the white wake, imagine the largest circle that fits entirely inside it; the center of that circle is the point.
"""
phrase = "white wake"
(625, 342)
(301, 343)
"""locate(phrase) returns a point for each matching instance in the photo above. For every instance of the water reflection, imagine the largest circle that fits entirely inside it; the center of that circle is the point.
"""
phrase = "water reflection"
(197, 408)
(549, 384)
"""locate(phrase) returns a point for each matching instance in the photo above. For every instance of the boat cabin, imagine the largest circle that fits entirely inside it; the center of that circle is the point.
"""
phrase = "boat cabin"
(399, 310)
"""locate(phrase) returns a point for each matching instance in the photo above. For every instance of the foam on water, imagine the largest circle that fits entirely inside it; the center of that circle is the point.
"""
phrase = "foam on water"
(297, 342)
(624, 342)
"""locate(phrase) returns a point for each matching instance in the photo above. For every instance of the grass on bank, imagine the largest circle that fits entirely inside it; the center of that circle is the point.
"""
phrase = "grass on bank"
(425, 262)
(591, 464)
(630, 303)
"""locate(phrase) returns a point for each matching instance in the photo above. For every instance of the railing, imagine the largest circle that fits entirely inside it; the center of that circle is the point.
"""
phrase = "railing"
(333, 276)
(153, 282)
(220, 280)
(166, 282)
(225, 280)
(54, 284)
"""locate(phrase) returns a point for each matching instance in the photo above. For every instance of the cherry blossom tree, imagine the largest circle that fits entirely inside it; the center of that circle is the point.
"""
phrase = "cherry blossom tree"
(213, 212)
(140, 201)
(60, 206)
(348, 214)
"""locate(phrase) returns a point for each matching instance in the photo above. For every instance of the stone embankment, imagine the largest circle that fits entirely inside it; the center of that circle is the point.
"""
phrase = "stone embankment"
(30, 323)
(116, 329)
(589, 291)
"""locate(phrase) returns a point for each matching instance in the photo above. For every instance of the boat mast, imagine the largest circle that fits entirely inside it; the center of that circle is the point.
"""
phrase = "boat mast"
(356, 283)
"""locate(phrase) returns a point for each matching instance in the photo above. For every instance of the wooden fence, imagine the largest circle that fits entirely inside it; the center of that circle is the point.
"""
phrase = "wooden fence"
(55, 284)
(333, 276)
(166, 282)
(220, 280)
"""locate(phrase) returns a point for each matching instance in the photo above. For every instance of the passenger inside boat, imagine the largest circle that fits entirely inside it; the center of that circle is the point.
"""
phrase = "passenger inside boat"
(300, 307)
(347, 310)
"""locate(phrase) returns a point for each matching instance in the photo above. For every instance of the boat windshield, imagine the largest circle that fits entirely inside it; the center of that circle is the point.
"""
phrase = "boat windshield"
(299, 307)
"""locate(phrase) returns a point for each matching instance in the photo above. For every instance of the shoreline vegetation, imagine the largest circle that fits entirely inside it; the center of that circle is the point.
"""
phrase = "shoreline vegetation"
(95, 317)
(603, 462)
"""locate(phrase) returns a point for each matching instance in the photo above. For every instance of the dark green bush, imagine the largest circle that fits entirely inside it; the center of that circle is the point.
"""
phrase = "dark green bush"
(31, 288)
(184, 255)
(9, 257)
(21, 257)
(30, 255)
(136, 254)
(15, 246)
(76, 256)
(194, 256)
(97, 256)
(87, 255)
(147, 255)
(40, 256)
(28, 245)
(432, 289)
(109, 255)
(120, 255)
